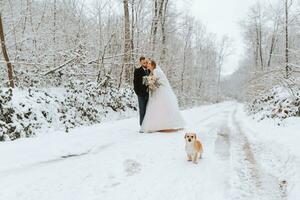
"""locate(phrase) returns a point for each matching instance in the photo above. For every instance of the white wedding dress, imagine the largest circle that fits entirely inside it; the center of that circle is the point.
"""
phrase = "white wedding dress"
(162, 111)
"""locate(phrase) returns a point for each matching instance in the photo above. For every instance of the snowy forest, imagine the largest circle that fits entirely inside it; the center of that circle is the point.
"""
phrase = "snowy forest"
(67, 68)
(94, 48)
(85, 53)
(271, 35)
(59, 41)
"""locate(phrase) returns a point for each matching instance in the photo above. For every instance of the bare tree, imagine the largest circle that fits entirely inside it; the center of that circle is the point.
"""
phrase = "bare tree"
(258, 27)
(187, 48)
(154, 26)
(225, 50)
(54, 31)
(286, 25)
(279, 46)
(273, 41)
(163, 32)
(5, 55)
(126, 66)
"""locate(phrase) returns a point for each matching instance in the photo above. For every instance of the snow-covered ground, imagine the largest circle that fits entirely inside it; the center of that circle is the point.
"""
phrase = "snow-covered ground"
(242, 160)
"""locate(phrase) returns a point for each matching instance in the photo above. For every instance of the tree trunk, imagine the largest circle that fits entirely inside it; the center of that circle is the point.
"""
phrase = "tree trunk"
(273, 42)
(259, 38)
(286, 40)
(260, 46)
(219, 83)
(54, 33)
(127, 45)
(132, 26)
(5, 55)
(185, 53)
(259, 61)
(256, 51)
(163, 33)
(154, 27)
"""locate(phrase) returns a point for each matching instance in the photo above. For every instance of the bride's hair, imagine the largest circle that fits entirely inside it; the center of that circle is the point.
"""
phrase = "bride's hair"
(153, 63)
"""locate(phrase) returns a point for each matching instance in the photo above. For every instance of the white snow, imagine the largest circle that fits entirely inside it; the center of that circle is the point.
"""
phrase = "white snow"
(242, 159)
(278, 149)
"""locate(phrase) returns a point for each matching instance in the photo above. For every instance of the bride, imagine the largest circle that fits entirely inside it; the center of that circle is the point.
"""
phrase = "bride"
(162, 113)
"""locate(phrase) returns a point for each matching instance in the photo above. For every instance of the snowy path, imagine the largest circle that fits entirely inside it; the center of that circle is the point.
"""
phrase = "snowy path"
(113, 161)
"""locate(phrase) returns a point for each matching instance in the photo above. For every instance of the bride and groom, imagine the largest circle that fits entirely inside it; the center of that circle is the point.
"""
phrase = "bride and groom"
(158, 104)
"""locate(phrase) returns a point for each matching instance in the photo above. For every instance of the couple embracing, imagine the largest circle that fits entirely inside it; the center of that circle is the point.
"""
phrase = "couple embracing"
(158, 104)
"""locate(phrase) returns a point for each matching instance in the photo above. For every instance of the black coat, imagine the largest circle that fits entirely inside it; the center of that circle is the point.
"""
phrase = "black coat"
(139, 88)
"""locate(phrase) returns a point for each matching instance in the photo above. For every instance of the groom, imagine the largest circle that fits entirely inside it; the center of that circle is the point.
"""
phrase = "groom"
(140, 89)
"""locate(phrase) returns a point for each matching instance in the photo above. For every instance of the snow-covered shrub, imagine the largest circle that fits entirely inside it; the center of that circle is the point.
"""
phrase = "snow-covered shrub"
(89, 102)
(118, 99)
(278, 103)
(6, 114)
(25, 111)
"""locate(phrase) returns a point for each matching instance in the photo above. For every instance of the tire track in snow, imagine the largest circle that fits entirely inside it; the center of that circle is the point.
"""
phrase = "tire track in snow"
(193, 183)
(223, 143)
(249, 180)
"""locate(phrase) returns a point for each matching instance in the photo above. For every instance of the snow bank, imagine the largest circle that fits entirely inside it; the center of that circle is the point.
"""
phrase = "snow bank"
(25, 111)
(278, 103)
(278, 149)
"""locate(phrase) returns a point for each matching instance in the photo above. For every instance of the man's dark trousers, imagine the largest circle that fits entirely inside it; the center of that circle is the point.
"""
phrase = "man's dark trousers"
(141, 90)
(143, 100)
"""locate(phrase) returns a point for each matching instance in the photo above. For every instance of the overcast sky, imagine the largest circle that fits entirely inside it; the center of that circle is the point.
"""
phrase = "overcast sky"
(222, 17)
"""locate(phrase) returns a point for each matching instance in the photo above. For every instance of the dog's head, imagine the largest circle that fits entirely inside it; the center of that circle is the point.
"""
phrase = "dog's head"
(190, 137)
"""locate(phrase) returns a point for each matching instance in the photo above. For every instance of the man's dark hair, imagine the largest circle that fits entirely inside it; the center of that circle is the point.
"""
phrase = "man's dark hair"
(142, 58)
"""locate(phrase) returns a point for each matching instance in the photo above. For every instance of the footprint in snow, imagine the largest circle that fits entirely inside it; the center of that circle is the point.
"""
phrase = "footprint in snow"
(131, 167)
